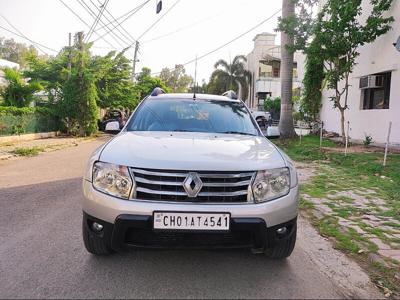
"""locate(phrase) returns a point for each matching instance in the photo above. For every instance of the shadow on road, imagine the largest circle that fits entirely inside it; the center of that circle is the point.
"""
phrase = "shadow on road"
(42, 256)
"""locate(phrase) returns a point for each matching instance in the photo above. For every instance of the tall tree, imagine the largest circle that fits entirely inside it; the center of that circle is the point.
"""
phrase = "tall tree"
(50, 72)
(114, 85)
(145, 83)
(78, 105)
(286, 127)
(176, 79)
(16, 52)
(311, 98)
(234, 75)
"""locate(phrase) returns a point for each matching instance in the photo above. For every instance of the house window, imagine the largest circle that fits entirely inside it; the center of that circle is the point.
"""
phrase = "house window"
(276, 72)
(265, 70)
(375, 93)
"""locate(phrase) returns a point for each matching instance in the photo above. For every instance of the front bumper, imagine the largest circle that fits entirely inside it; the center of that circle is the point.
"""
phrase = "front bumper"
(108, 208)
(135, 231)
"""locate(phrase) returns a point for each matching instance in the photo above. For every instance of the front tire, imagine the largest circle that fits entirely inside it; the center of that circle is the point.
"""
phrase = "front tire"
(284, 248)
(94, 243)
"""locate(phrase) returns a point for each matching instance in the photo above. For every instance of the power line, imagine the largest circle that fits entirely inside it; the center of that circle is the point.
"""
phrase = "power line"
(26, 38)
(125, 33)
(97, 19)
(19, 31)
(181, 29)
(147, 30)
(229, 42)
(158, 20)
(133, 11)
(93, 14)
(84, 22)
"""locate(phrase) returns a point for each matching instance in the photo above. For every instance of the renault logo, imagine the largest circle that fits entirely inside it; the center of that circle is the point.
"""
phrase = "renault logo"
(192, 185)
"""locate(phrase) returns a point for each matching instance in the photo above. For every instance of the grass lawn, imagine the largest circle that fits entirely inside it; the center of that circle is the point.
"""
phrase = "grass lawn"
(354, 200)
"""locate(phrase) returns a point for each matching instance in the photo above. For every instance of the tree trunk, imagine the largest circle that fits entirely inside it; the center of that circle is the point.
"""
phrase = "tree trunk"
(286, 127)
(342, 126)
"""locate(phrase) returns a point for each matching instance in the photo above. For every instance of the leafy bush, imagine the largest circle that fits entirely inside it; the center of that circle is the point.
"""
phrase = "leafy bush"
(15, 120)
(273, 106)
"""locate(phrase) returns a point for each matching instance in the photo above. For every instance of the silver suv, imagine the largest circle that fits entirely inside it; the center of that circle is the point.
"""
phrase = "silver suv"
(190, 171)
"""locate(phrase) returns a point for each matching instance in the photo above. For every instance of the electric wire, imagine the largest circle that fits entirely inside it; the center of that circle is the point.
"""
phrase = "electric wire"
(21, 33)
(26, 38)
(114, 36)
(97, 19)
(180, 29)
(84, 22)
(229, 42)
(124, 32)
(128, 14)
(158, 20)
(93, 15)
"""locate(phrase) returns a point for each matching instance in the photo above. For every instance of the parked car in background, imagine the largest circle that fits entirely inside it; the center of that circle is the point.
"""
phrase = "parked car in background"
(113, 115)
(262, 118)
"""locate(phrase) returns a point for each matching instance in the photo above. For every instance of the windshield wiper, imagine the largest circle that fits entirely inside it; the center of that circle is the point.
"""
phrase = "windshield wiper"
(181, 130)
(237, 132)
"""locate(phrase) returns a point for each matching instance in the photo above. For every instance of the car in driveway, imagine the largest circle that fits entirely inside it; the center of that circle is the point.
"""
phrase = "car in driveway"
(113, 115)
(190, 171)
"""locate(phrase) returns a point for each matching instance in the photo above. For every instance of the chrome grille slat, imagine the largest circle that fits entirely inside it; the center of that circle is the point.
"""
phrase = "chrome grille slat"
(149, 191)
(184, 174)
(239, 175)
(175, 183)
(168, 185)
(171, 183)
(204, 194)
(238, 193)
(223, 184)
(162, 174)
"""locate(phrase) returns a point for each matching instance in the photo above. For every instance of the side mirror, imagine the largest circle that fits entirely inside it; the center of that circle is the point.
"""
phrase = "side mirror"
(112, 127)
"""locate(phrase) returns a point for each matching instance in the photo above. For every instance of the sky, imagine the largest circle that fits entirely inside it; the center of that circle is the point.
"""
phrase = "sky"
(191, 28)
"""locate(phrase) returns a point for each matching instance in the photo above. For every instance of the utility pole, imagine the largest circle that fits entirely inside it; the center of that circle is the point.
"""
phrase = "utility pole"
(82, 104)
(69, 55)
(135, 60)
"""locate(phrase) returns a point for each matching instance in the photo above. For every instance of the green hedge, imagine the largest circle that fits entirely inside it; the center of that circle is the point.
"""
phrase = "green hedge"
(15, 120)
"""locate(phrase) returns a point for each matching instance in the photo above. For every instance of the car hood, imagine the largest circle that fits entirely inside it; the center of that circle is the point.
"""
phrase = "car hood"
(192, 151)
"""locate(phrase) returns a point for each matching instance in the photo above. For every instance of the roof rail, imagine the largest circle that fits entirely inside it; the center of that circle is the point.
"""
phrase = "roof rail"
(157, 91)
(230, 94)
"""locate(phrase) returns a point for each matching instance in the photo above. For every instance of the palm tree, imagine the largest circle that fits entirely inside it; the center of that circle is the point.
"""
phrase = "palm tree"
(286, 127)
(18, 93)
(233, 76)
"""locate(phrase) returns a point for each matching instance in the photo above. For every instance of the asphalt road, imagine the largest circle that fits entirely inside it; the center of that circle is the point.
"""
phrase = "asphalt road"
(42, 253)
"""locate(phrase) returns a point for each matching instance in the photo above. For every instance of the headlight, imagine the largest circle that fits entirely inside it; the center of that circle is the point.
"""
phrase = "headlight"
(112, 179)
(292, 170)
(271, 184)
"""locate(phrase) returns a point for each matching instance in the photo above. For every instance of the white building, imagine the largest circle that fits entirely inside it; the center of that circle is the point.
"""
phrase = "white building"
(264, 64)
(374, 94)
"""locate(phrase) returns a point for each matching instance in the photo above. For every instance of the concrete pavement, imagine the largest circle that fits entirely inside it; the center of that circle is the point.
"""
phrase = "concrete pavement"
(42, 253)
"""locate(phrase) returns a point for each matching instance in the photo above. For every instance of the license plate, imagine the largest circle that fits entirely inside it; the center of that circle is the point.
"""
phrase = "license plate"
(191, 221)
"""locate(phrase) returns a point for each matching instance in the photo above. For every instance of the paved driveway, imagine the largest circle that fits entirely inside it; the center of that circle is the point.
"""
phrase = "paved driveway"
(42, 254)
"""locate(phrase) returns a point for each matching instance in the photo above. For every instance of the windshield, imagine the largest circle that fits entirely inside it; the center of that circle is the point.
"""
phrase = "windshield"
(193, 116)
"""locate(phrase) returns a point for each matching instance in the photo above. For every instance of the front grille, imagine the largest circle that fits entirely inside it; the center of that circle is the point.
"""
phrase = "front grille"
(218, 187)
(144, 237)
